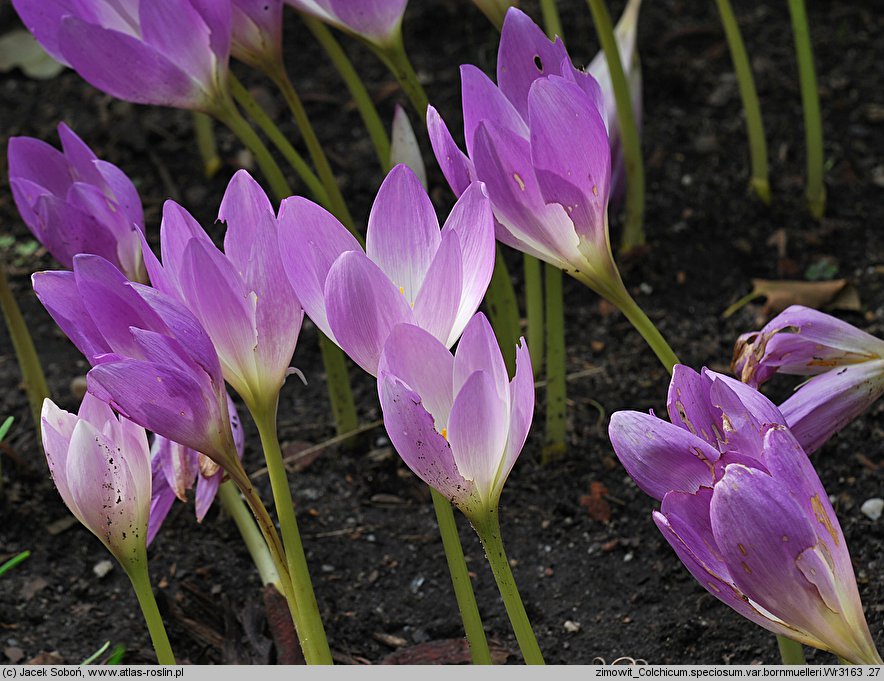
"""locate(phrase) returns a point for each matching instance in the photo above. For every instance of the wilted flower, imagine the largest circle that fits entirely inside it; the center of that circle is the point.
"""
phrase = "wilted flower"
(172, 53)
(100, 465)
(847, 365)
(152, 361)
(410, 272)
(242, 296)
(457, 421)
(746, 512)
(73, 202)
(378, 22)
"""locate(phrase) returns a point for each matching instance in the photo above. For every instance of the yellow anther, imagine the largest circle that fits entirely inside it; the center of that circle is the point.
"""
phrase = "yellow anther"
(402, 290)
(444, 433)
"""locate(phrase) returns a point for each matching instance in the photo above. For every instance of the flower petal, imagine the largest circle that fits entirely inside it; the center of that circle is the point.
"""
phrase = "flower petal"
(521, 412)
(478, 350)
(457, 168)
(689, 406)
(746, 414)
(660, 456)
(438, 300)
(179, 33)
(482, 100)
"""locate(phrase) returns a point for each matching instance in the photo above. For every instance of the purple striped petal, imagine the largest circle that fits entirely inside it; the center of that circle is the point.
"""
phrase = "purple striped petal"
(521, 411)
(482, 100)
(746, 414)
(689, 406)
(438, 300)
(457, 168)
(478, 350)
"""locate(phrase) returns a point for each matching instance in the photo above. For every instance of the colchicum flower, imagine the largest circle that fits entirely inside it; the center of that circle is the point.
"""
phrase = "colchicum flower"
(746, 512)
(176, 469)
(73, 202)
(410, 272)
(457, 421)
(256, 37)
(538, 140)
(378, 22)
(101, 467)
(241, 297)
(172, 53)
(847, 366)
(152, 361)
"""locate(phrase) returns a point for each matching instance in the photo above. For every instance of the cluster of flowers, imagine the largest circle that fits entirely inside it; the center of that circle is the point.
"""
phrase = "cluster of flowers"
(741, 503)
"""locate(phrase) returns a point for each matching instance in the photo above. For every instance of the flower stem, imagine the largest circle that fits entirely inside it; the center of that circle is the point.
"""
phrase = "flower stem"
(556, 385)
(336, 203)
(534, 310)
(791, 651)
(236, 508)
(551, 20)
(23, 344)
(205, 142)
(274, 134)
(500, 298)
(228, 114)
(396, 59)
(754, 126)
(338, 380)
(140, 579)
(810, 101)
(309, 622)
(367, 110)
(460, 580)
(487, 527)
(633, 229)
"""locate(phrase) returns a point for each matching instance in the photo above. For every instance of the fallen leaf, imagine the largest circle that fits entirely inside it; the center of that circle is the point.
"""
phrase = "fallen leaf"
(13, 654)
(50, 657)
(18, 48)
(33, 587)
(837, 294)
(595, 503)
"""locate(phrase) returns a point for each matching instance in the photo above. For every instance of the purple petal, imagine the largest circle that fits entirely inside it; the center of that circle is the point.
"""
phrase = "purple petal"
(378, 21)
(746, 413)
(67, 229)
(829, 402)
(477, 431)
(218, 17)
(521, 411)
(125, 67)
(689, 406)
(525, 54)
(478, 351)
(403, 232)
(438, 300)
(415, 357)
(310, 240)
(80, 157)
(363, 306)
(660, 456)
(161, 500)
(422, 448)
(177, 229)
(256, 30)
(123, 191)
(482, 100)
(57, 427)
(206, 490)
(457, 168)
(473, 222)
(58, 293)
(41, 163)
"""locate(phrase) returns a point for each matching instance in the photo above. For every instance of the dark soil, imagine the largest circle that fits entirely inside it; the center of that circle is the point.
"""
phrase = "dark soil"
(367, 523)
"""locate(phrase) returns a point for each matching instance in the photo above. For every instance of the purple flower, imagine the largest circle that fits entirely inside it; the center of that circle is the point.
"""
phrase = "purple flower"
(378, 22)
(152, 361)
(75, 203)
(175, 469)
(457, 421)
(847, 365)
(538, 141)
(409, 273)
(745, 511)
(241, 297)
(172, 53)
(256, 37)
(100, 465)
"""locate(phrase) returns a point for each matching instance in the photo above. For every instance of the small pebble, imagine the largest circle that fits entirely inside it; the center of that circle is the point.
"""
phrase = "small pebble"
(571, 627)
(102, 567)
(628, 557)
(872, 508)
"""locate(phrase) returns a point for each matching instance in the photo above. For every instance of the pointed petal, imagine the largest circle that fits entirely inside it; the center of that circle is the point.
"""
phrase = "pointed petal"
(377, 21)
(403, 232)
(457, 168)
(123, 191)
(416, 358)
(161, 500)
(478, 351)
(67, 229)
(310, 240)
(57, 427)
(80, 157)
(181, 35)
(477, 431)
(41, 163)
(521, 412)
(176, 230)
(660, 456)
(438, 300)
(472, 221)
(206, 490)
(689, 406)
(746, 413)
(482, 100)
(363, 307)
(404, 148)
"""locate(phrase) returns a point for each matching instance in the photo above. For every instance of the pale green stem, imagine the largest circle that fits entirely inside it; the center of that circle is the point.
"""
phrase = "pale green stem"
(488, 528)
(534, 310)
(141, 583)
(633, 229)
(810, 101)
(336, 203)
(791, 651)
(367, 110)
(28, 361)
(500, 298)
(460, 580)
(754, 126)
(396, 59)
(205, 142)
(338, 380)
(556, 384)
(280, 141)
(308, 622)
(551, 20)
(236, 508)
